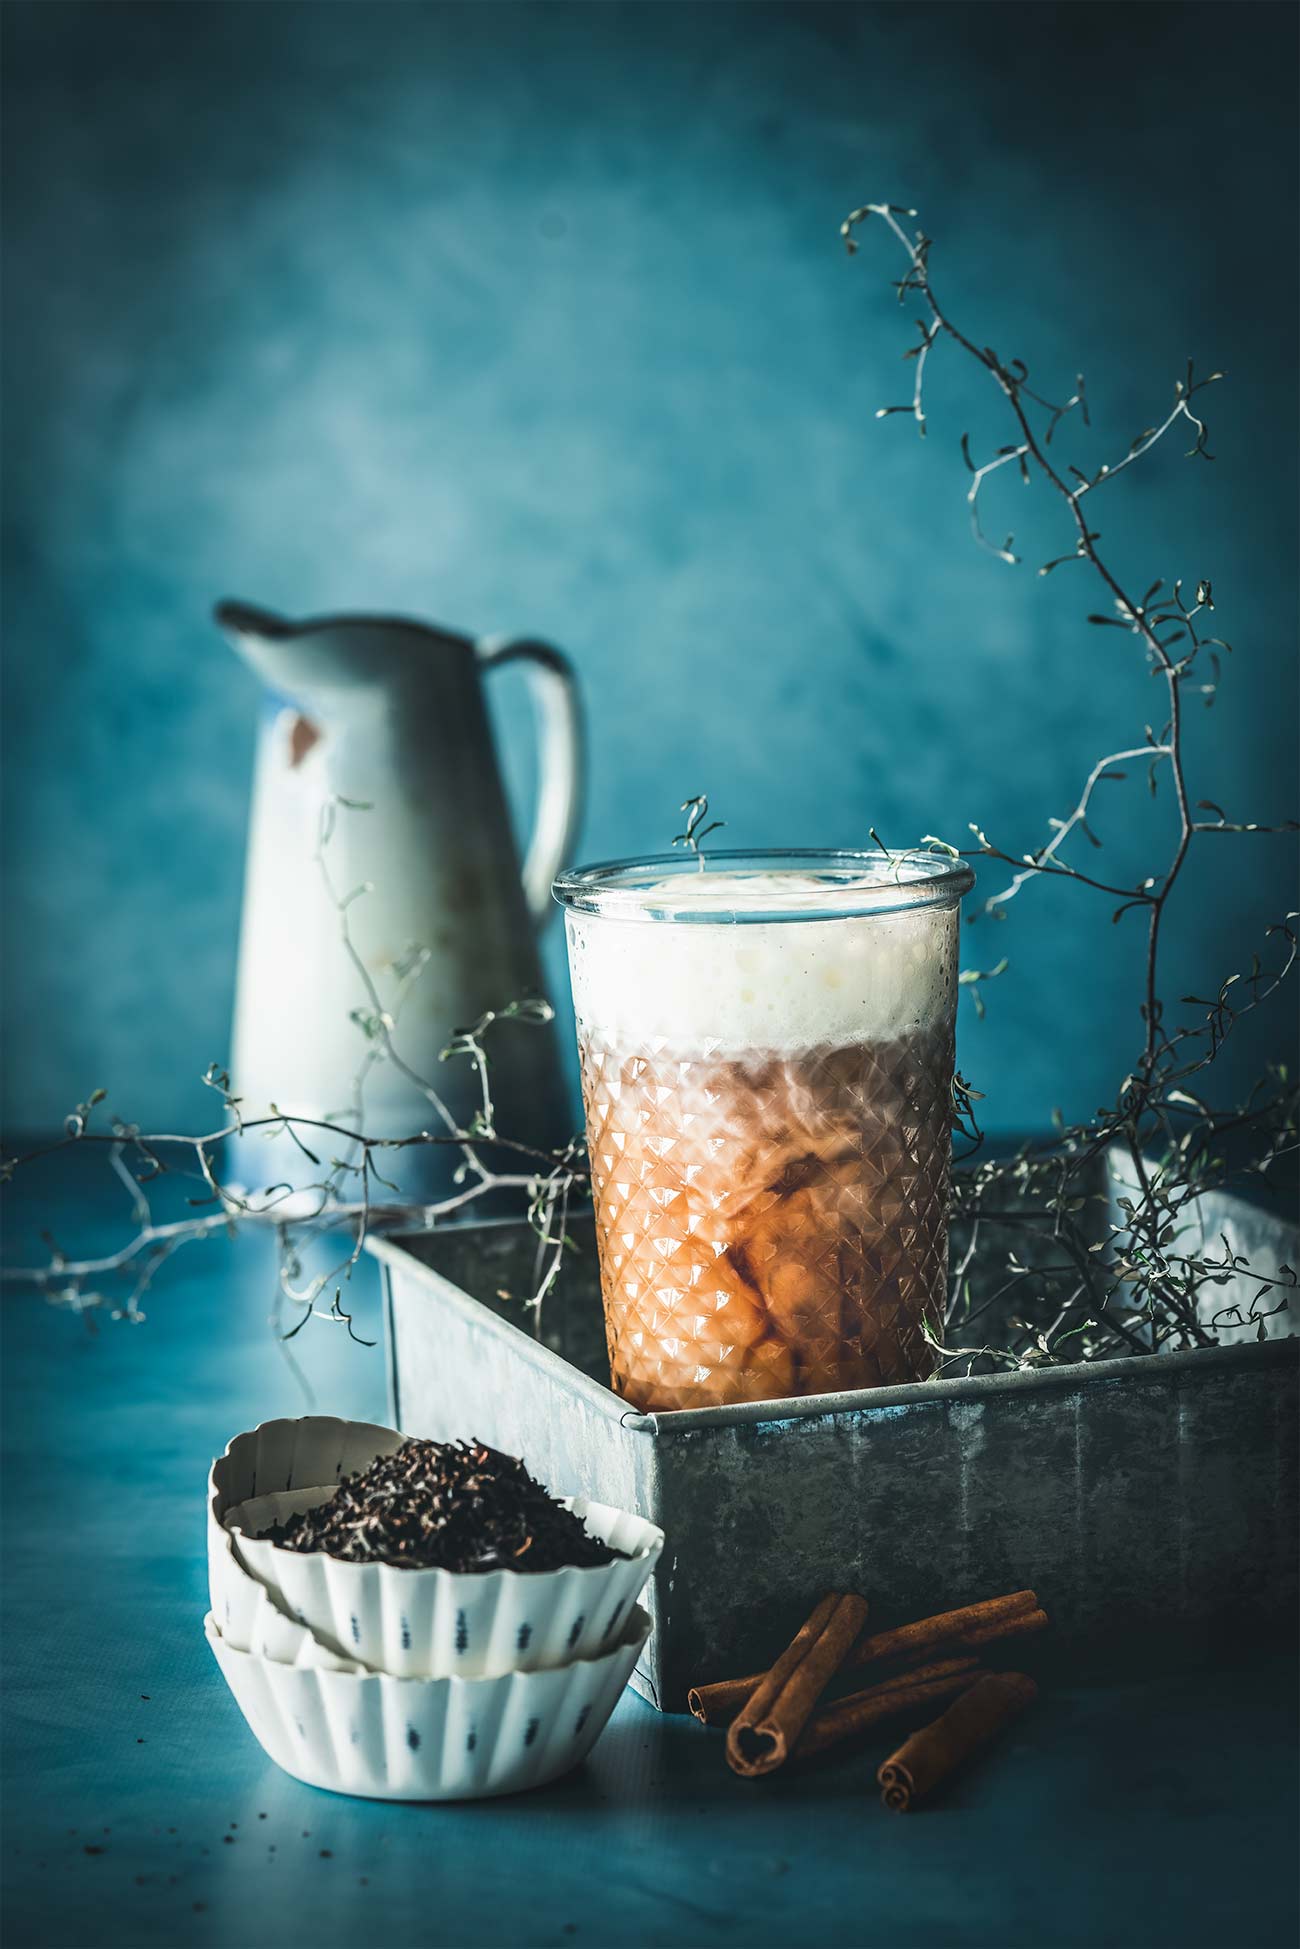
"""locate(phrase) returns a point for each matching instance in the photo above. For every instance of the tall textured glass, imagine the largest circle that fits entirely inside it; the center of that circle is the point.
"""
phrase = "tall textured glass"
(767, 1063)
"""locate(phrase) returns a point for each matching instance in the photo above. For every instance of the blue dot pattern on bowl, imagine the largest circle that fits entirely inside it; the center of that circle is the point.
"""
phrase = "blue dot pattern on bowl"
(412, 1738)
(576, 1632)
(614, 1616)
(462, 1632)
(530, 1731)
(583, 1717)
(524, 1638)
(356, 1630)
(406, 1634)
(471, 1740)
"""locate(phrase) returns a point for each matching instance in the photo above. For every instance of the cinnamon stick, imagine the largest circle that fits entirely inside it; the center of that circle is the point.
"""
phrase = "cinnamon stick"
(766, 1728)
(917, 1675)
(1022, 1625)
(971, 1627)
(994, 1618)
(703, 1698)
(718, 1704)
(929, 1756)
(857, 1713)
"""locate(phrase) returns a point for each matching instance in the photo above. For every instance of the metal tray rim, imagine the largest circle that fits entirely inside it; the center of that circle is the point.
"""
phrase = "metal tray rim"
(1157, 1368)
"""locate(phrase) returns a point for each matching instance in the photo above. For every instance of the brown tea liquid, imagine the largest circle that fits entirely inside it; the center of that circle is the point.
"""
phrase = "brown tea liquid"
(769, 1224)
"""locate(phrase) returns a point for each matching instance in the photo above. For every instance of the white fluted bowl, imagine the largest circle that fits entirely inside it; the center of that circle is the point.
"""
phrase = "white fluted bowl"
(428, 1738)
(249, 1618)
(407, 1623)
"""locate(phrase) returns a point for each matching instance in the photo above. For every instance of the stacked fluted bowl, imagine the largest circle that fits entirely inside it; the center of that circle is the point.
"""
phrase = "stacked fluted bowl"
(409, 1684)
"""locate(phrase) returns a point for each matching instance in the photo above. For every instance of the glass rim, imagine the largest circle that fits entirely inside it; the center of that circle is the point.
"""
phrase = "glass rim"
(849, 884)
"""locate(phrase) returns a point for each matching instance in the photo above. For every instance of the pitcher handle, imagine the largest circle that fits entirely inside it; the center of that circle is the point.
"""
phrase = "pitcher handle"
(560, 760)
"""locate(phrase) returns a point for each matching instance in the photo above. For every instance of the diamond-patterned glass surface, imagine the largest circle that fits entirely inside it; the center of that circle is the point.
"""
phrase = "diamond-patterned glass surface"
(768, 1226)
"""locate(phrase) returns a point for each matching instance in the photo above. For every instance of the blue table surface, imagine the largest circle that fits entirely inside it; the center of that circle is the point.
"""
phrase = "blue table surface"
(139, 1810)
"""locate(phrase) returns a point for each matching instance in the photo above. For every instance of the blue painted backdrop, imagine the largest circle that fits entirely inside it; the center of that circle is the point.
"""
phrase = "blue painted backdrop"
(536, 318)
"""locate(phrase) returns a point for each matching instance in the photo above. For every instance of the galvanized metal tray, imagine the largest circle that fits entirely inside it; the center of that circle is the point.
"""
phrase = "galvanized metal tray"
(1151, 1501)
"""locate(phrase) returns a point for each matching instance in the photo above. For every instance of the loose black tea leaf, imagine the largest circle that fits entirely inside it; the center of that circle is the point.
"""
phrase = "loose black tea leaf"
(445, 1506)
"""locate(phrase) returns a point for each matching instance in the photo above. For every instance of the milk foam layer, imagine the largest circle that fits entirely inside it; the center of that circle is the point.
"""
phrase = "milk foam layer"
(707, 986)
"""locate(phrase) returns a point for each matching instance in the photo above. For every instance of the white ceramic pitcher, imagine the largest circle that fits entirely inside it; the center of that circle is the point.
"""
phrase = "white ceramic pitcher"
(390, 715)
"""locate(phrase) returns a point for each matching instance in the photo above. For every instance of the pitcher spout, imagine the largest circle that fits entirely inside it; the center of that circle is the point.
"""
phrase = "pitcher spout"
(243, 619)
(268, 643)
(329, 654)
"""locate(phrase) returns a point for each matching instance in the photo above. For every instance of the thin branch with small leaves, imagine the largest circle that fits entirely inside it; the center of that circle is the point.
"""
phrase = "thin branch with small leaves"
(342, 1197)
(697, 811)
(1135, 1289)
